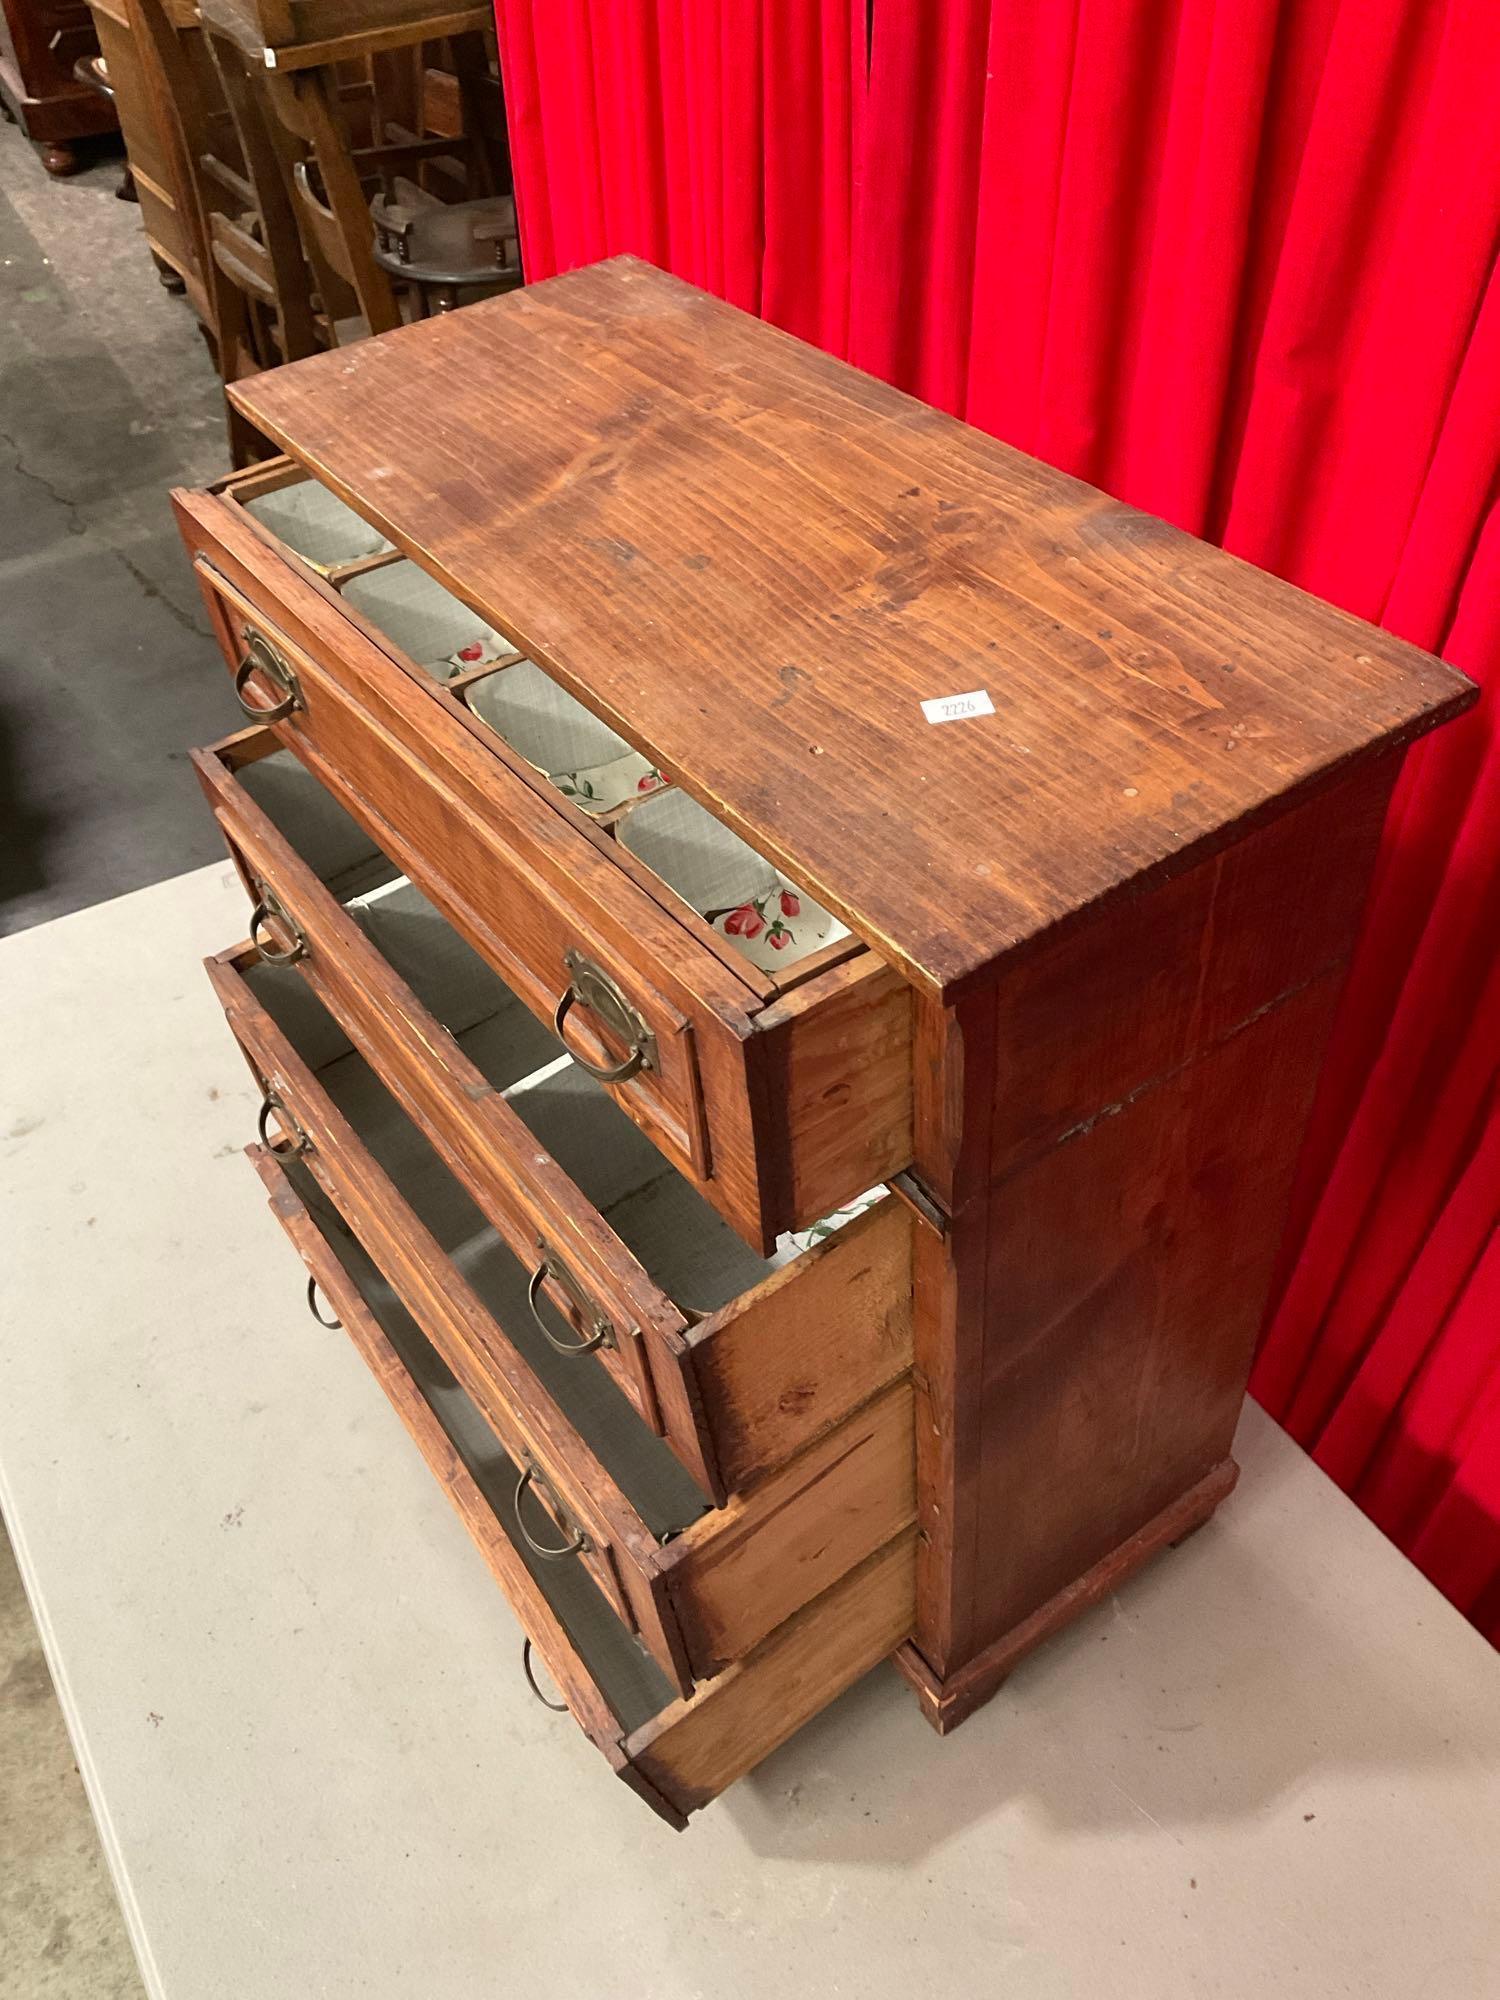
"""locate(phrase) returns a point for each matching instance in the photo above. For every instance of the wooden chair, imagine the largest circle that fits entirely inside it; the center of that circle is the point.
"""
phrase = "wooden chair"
(160, 98)
(334, 178)
(253, 235)
(446, 254)
(253, 292)
(331, 204)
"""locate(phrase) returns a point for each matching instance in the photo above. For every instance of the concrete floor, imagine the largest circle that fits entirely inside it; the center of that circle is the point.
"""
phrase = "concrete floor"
(61, 1933)
(107, 676)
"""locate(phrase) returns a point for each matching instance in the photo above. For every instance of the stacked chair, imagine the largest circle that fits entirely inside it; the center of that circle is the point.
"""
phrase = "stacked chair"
(321, 169)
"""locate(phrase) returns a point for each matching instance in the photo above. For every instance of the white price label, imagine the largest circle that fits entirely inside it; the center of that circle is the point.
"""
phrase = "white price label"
(958, 707)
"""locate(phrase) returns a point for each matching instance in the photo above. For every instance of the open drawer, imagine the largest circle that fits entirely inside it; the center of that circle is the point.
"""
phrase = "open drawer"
(781, 1092)
(737, 1385)
(700, 1585)
(676, 1753)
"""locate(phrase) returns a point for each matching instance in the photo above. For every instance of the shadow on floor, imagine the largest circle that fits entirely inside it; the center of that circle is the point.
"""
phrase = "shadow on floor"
(1263, 1695)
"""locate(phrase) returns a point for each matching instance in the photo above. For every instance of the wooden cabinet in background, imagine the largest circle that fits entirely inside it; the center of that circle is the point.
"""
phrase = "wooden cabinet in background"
(150, 143)
(1009, 847)
(40, 42)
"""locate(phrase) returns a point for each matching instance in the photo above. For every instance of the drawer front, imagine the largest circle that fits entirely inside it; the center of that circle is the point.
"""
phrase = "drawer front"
(737, 1394)
(545, 1631)
(711, 1591)
(778, 1113)
(617, 1548)
(698, 1747)
(466, 849)
(586, 1272)
(687, 1753)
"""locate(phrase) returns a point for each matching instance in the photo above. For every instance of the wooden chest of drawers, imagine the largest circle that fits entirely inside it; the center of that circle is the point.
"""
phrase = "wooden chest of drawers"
(40, 42)
(806, 1171)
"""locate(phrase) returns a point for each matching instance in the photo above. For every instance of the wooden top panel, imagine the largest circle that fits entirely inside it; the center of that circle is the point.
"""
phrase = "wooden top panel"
(758, 562)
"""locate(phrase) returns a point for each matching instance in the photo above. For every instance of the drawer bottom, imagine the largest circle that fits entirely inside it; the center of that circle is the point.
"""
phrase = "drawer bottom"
(677, 1753)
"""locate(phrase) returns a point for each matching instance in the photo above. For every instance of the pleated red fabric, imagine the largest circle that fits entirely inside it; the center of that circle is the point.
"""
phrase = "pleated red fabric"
(714, 137)
(1235, 262)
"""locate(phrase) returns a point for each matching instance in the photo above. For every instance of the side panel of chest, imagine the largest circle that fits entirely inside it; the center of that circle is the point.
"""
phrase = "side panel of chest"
(1113, 1127)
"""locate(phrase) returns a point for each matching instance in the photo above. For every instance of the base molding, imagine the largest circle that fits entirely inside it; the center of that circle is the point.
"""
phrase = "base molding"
(947, 1703)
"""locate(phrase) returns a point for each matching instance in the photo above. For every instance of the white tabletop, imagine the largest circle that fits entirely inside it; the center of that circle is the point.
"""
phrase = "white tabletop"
(1268, 1766)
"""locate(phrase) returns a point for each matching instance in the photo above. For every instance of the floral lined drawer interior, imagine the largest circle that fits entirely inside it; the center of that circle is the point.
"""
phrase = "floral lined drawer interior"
(722, 879)
(762, 1046)
(427, 623)
(761, 914)
(747, 900)
(558, 736)
(305, 518)
(432, 627)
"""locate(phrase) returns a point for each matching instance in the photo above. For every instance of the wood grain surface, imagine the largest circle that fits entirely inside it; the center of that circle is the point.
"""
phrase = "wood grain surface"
(739, 1571)
(757, 562)
(783, 1363)
(691, 1751)
(719, 1587)
(777, 1127)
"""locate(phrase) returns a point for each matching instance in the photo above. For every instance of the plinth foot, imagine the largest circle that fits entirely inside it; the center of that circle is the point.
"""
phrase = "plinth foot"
(947, 1700)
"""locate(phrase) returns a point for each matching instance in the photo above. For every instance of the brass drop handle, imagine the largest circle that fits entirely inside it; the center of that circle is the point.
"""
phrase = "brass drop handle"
(271, 1103)
(557, 1707)
(312, 1306)
(602, 1333)
(591, 987)
(261, 657)
(546, 1550)
(266, 908)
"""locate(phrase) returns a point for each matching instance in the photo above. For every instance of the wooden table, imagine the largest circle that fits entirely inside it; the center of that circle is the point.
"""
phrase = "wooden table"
(1269, 1765)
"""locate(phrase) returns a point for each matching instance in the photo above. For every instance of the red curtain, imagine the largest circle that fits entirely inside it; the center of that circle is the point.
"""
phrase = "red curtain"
(1234, 261)
(714, 137)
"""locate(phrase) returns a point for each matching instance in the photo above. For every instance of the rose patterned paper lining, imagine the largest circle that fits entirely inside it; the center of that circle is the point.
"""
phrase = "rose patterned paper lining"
(777, 929)
(746, 899)
(581, 755)
(427, 623)
(609, 785)
(767, 917)
(796, 1241)
(319, 527)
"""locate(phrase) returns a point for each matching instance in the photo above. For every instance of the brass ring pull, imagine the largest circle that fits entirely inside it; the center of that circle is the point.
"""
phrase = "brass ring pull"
(557, 1707)
(547, 1553)
(300, 1143)
(312, 1306)
(592, 987)
(603, 1334)
(261, 657)
(266, 908)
